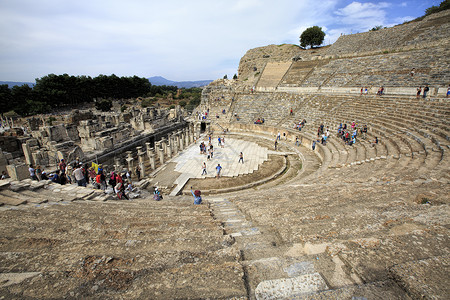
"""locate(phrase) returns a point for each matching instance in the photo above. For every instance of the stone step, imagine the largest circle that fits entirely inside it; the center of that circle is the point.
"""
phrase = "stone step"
(287, 288)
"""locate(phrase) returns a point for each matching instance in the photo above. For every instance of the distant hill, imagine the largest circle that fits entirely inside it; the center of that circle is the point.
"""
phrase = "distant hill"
(13, 83)
(158, 80)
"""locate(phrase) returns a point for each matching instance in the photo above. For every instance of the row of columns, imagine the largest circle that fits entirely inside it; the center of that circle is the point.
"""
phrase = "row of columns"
(167, 147)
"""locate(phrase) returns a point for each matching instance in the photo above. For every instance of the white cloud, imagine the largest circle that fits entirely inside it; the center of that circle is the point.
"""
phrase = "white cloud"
(358, 16)
(181, 40)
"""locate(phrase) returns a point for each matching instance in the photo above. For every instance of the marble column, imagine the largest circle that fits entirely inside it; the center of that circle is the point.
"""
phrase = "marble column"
(180, 140)
(151, 156)
(161, 155)
(164, 144)
(175, 144)
(157, 147)
(191, 133)
(117, 165)
(141, 155)
(130, 160)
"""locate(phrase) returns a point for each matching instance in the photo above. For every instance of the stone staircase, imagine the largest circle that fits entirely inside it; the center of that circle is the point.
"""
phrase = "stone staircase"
(117, 249)
(272, 75)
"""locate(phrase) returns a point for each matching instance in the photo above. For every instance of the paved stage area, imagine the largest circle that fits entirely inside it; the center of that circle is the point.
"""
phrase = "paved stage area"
(189, 161)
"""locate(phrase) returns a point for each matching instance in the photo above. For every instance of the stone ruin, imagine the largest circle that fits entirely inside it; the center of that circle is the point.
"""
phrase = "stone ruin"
(82, 135)
(366, 221)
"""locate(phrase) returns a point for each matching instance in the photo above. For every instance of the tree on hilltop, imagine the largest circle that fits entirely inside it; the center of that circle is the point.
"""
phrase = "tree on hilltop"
(434, 9)
(312, 36)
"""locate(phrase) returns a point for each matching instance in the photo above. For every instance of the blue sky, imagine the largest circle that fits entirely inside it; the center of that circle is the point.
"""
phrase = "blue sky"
(179, 40)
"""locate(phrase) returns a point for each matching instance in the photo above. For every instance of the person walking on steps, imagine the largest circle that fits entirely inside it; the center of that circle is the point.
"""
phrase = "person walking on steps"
(204, 169)
(241, 158)
(197, 196)
(218, 169)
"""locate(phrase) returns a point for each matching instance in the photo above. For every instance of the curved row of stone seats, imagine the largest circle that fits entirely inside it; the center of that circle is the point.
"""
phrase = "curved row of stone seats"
(420, 33)
(368, 222)
(133, 249)
(390, 144)
(385, 117)
(392, 69)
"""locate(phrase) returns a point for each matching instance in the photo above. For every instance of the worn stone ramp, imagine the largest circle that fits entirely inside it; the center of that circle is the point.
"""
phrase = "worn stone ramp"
(139, 249)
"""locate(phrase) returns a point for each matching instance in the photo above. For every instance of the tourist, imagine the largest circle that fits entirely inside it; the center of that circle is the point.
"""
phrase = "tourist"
(419, 90)
(279, 136)
(241, 158)
(313, 145)
(291, 112)
(101, 180)
(138, 172)
(219, 141)
(44, 175)
(92, 175)
(62, 166)
(130, 188)
(276, 144)
(448, 91)
(120, 191)
(204, 169)
(223, 142)
(38, 172)
(197, 196)
(4, 175)
(375, 141)
(79, 176)
(297, 141)
(56, 178)
(112, 179)
(218, 170)
(128, 174)
(157, 194)
(425, 91)
(32, 173)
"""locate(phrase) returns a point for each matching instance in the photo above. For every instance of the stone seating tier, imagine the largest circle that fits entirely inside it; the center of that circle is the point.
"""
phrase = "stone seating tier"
(391, 68)
(428, 30)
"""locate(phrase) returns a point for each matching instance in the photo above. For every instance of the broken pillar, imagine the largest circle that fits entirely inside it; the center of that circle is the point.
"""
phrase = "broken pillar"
(27, 152)
(130, 160)
(117, 165)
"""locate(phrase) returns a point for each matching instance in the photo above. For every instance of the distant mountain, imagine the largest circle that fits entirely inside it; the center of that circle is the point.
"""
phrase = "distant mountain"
(158, 80)
(13, 83)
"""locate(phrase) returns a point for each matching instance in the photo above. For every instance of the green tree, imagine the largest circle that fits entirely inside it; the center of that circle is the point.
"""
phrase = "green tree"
(103, 104)
(235, 77)
(225, 77)
(376, 28)
(312, 36)
(6, 98)
(434, 9)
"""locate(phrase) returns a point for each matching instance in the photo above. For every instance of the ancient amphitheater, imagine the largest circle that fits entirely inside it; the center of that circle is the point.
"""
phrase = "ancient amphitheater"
(367, 221)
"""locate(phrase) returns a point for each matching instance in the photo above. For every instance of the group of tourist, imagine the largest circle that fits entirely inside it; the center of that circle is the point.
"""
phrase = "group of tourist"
(259, 121)
(424, 91)
(365, 91)
(344, 133)
(300, 125)
(82, 175)
(203, 115)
